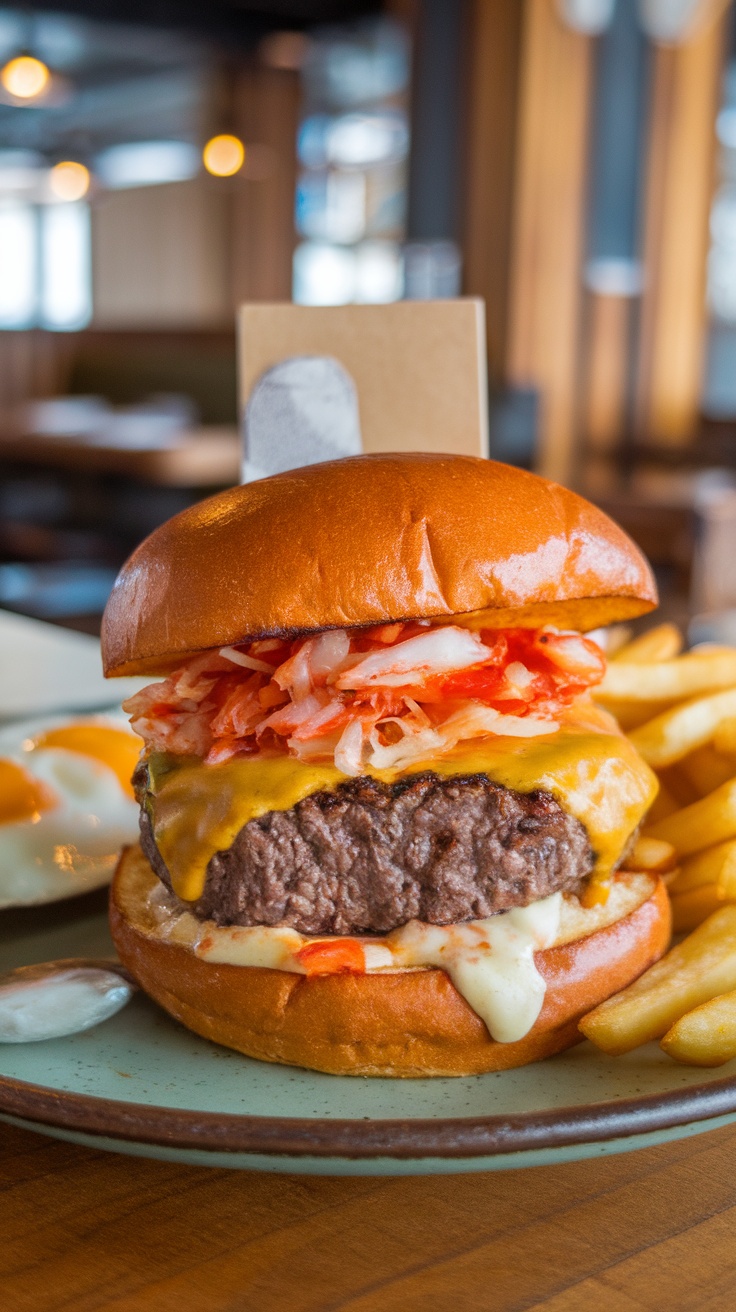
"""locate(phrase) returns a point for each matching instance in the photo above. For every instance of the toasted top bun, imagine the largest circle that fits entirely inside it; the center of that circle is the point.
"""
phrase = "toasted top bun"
(366, 541)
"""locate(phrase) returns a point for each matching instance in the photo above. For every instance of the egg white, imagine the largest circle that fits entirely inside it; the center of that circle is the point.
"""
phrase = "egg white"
(73, 847)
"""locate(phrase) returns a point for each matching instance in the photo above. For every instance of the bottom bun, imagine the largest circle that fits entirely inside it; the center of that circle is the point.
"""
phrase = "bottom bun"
(406, 1023)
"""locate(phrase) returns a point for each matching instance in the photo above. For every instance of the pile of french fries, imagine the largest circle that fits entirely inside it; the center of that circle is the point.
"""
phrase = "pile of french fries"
(680, 712)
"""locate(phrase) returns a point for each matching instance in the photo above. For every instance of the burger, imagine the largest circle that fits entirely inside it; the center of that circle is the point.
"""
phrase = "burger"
(382, 819)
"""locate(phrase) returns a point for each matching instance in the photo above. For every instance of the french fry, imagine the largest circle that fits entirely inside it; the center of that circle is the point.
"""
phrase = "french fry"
(612, 638)
(671, 736)
(705, 1036)
(679, 787)
(651, 854)
(706, 769)
(724, 739)
(712, 647)
(663, 805)
(630, 714)
(669, 877)
(703, 824)
(716, 865)
(661, 643)
(694, 971)
(680, 713)
(690, 909)
(685, 676)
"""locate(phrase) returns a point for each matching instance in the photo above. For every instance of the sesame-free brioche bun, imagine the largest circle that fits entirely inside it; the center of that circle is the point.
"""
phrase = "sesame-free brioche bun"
(406, 1023)
(368, 540)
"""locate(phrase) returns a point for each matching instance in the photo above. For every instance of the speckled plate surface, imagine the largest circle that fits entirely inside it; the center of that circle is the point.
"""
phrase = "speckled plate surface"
(142, 1084)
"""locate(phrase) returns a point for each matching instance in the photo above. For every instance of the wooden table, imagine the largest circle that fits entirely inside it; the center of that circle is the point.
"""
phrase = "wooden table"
(649, 1230)
(205, 457)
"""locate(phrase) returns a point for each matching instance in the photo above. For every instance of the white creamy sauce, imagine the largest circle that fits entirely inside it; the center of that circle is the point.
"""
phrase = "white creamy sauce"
(490, 962)
(63, 1003)
(257, 946)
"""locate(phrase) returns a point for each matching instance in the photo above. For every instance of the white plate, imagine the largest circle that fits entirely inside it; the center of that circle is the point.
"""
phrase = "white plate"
(142, 1084)
(75, 846)
(46, 668)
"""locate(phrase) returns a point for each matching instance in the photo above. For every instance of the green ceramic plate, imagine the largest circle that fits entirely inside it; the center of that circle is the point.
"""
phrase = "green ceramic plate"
(141, 1084)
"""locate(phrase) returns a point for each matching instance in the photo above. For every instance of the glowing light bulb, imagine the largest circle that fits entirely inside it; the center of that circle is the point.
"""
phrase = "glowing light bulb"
(223, 155)
(25, 77)
(69, 180)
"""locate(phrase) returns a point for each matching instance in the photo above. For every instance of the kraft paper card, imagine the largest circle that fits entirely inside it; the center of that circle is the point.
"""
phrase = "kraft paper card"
(320, 382)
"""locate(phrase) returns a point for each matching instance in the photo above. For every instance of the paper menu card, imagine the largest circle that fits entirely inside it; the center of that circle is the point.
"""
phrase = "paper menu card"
(419, 367)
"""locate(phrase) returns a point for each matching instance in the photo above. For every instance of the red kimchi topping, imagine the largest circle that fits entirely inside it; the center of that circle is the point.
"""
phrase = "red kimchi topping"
(383, 697)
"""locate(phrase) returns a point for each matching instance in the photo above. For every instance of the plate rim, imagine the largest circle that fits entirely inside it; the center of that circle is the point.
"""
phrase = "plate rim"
(366, 1138)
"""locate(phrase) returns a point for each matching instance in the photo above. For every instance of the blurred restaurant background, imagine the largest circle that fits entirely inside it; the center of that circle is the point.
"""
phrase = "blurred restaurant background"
(573, 162)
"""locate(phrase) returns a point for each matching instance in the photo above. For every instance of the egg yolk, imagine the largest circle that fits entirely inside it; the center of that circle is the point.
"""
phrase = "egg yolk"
(21, 796)
(113, 747)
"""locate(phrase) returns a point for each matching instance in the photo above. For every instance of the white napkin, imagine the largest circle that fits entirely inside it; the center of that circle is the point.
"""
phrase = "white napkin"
(301, 412)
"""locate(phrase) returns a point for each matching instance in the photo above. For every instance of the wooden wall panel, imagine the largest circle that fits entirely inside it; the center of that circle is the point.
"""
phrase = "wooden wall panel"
(548, 226)
(161, 258)
(529, 92)
(606, 359)
(262, 217)
(493, 64)
(686, 84)
(187, 254)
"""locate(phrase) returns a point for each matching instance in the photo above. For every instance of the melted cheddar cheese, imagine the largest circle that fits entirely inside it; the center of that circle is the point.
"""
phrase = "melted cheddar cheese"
(598, 777)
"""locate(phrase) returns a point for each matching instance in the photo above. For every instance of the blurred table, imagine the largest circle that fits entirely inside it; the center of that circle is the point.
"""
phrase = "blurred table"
(204, 457)
(641, 1231)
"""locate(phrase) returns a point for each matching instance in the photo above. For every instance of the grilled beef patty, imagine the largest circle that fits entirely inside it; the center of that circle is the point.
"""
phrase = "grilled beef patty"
(371, 856)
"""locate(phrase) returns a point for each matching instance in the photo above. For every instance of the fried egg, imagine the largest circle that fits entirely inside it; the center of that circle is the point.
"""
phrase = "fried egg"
(66, 806)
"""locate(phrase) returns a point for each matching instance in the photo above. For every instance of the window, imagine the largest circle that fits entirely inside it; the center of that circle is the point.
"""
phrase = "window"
(352, 146)
(17, 265)
(45, 265)
(66, 283)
